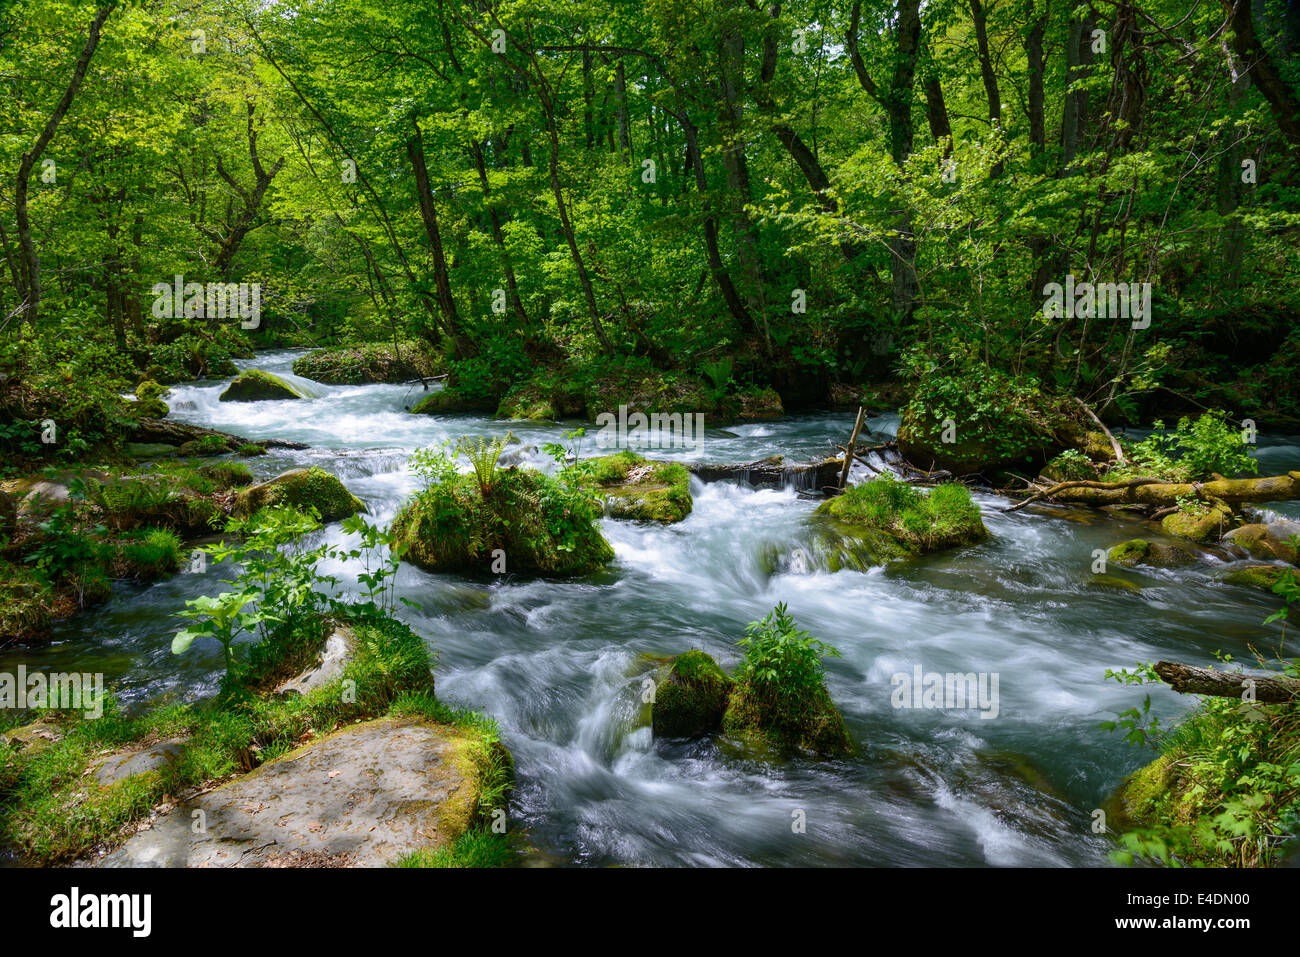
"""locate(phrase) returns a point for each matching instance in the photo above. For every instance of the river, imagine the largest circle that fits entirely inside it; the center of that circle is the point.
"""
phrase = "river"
(560, 664)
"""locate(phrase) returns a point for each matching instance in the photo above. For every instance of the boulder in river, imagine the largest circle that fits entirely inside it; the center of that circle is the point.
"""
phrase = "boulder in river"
(691, 697)
(372, 362)
(256, 385)
(635, 487)
(452, 527)
(812, 724)
(963, 448)
(1276, 540)
(1139, 551)
(1263, 577)
(364, 796)
(1206, 525)
(301, 489)
(884, 519)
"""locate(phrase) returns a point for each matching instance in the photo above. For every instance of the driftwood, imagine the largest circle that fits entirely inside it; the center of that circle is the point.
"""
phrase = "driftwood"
(1153, 493)
(1114, 444)
(171, 432)
(1187, 679)
(853, 443)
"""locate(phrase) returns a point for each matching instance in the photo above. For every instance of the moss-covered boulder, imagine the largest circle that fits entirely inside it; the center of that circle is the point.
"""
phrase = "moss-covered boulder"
(372, 362)
(884, 519)
(256, 385)
(1263, 577)
(1024, 431)
(301, 489)
(1204, 525)
(1275, 541)
(815, 725)
(635, 487)
(526, 523)
(1139, 551)
(545, 397)
(755, 404)
(690, 697)
(452, 401)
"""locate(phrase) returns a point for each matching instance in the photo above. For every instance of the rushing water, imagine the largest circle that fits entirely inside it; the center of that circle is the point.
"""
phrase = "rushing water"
(560, 664)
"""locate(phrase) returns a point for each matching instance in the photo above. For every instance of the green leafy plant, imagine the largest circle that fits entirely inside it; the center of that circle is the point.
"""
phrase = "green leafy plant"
(783, 664)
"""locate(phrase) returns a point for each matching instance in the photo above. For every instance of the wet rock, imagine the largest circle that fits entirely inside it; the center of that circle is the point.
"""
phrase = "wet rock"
(1113, 581)
(1207, 526)
(331, 660)
(691, 697)
(1263, 577)
(256, 385)
(363, 796)
(638, 488)
(1139, 551)
(301, 488)
(1274, 541)
(34, 737)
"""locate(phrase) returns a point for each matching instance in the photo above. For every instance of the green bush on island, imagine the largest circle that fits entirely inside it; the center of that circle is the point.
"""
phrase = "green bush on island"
(780, 694)
(516, 520)
(632, 486)
(369, 362)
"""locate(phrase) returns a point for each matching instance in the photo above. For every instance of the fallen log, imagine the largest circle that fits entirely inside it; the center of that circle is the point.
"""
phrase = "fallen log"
(1187, 679)
(772, 471)
(1153, 493)
(170, 432)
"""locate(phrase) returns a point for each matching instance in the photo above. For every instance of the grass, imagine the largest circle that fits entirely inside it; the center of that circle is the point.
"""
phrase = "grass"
(51, 812)
(944, 518)
(478, 847)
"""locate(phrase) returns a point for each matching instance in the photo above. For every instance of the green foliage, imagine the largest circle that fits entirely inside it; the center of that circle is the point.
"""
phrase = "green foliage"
(782, 666)
(945, 517)
(1194, 452)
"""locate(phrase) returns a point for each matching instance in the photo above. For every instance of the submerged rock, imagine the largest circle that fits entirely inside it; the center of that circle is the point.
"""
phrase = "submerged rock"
(364, 796)
(450, 401)
(301, 488)
(691, 697)
(1263, 577)
(256, 385)
(639, 488)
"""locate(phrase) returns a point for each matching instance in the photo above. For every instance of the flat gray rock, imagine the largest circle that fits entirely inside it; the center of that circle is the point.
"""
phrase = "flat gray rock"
(363, 796)
(117, 767)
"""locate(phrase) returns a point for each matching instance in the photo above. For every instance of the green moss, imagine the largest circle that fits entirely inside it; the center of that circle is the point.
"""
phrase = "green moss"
(691, 697)
(452, 527)
(636, 488)
(816, 725)
(250, 450)
(256, 385)
(1201, 526)
(301, 489)
(450, 401)
(371, 362)
(916, 523)
(1263, 577)
(1132, 552)
(206, 445)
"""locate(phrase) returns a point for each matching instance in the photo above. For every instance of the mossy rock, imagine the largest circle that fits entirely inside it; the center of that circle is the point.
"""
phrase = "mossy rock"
(1113, 581)
(544, 398)
(301, 489)
(150, 409)
(369, 363)
(1263, 577)
(819, 728)
(635, 487)
(148, 450)
(450, 401)
(256, 385)
(646, 392)
(921, 440)
(205, 446)
(1272, 542)
(450, 527)
(885, 519)
(1206, 526)
(1146, 794)
(1139, 551)
(691, 697)
(250, 450)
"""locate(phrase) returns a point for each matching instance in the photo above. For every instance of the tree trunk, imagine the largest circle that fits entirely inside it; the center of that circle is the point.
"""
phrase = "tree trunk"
(1187, 679)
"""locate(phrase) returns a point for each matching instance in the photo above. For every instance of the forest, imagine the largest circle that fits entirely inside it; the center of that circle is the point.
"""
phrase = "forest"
(740, 410)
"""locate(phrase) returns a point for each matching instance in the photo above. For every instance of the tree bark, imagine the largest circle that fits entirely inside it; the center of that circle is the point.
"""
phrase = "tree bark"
(1188, 679)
